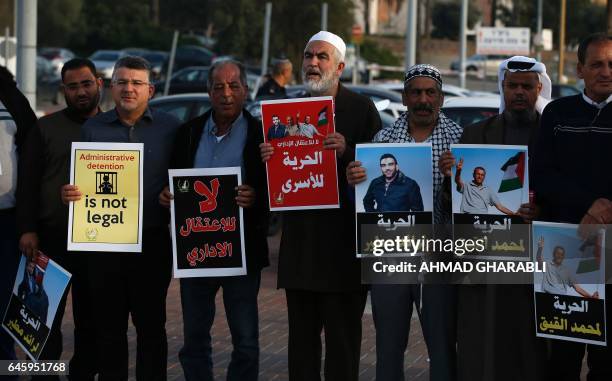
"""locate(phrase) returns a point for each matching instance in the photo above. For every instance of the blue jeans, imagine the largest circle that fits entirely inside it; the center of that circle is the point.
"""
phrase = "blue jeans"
(9, 262)
(240, 301)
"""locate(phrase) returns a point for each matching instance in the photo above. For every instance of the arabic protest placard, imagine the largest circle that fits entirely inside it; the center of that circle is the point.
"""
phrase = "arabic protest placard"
(109, 215)
(397, 198)
(37, 292)
(301, 174)
(489, 184)
(207, 224)
(570, 294)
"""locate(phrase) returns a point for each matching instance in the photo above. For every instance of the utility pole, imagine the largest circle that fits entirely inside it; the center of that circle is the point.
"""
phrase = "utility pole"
(26, 49)
(463, 42)
(324, 16)
(609, 7)
(266, 39)
(561, 41)
(539, 32)
(171, 62)
(411, 33)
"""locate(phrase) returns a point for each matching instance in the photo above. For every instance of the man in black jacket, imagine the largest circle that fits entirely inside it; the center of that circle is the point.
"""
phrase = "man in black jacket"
(16, 120)
(225, 136)
(317, 266)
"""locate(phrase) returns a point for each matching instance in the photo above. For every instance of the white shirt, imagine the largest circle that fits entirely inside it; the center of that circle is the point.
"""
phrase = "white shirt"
(599, 105)
(8, 159)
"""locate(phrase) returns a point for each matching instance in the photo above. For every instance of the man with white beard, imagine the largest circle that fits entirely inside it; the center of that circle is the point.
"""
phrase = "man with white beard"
(317, 264)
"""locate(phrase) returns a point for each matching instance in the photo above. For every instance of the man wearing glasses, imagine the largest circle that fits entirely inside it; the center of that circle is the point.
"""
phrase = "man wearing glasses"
(127, 283)
(42, 218)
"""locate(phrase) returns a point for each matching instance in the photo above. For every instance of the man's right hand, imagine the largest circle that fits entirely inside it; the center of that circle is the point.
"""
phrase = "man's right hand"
(165, 196)
(460, 165)
(28, 244)
(355, 173)
(70, 193)
(266, 150)
(446, 163)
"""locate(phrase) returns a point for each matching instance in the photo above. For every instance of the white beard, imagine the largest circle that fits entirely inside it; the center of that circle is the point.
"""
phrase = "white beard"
(323, 85)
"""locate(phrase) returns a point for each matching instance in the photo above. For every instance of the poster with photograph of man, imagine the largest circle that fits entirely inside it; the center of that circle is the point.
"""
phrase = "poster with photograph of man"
(489, 183)
(570, 294)
(397, 197)
(38, 289)
(301, 173)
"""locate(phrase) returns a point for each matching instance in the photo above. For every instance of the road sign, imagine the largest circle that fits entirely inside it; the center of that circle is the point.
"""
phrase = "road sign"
(508, 41)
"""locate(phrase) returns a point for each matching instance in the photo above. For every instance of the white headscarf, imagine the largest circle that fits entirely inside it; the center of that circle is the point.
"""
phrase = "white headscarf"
(536, 67)
(331, 38)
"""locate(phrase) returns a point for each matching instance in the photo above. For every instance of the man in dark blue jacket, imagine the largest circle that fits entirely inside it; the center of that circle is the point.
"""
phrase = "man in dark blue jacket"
(393, 191)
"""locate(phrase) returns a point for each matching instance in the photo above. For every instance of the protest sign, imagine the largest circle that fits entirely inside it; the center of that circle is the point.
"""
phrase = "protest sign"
(301, 173)
(207, 223)
(108, 217)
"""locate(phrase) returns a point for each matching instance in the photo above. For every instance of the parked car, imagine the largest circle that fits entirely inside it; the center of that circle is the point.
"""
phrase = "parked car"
(191, 55)
(465, 111)
(48, 82)
(559, 91)
(158, 59)
(188, 80)
(481, 63)
(184, 106)
(57, 56)
(105, 61)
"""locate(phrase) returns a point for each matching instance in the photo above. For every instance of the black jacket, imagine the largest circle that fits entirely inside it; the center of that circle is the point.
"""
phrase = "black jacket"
(317, 250)
(19, 108)
(255, 217)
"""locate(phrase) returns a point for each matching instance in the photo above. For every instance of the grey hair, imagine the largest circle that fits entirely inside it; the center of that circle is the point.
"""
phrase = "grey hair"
(134, 63)
(221, 63)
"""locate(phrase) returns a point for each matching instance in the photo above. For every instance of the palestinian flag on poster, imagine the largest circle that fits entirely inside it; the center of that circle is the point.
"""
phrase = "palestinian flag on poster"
(514, 173)
(322, 120)
(592, 250)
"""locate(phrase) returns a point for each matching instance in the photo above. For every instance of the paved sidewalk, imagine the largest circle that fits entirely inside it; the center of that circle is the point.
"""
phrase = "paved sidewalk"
(273, 335)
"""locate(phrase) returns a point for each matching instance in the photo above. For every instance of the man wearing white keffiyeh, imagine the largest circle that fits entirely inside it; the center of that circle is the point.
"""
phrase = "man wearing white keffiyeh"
(392, 303)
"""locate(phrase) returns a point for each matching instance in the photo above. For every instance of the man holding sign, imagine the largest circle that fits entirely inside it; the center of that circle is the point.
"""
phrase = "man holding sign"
(132, 283)
(317, 263)
(225, 136)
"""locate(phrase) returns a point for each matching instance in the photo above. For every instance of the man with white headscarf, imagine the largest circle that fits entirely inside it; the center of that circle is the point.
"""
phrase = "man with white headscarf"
(317, 264)
(486, 348)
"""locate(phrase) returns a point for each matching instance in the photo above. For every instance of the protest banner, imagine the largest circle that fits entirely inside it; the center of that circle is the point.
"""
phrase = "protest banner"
(570, 299)
(108, 217)
(207, 223)
(39, 286)
(301, 174)
(397, 198)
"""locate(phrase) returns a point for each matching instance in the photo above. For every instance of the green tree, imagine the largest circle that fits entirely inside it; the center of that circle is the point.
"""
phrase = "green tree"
(446, 19)
(583, 17)
(58, 20)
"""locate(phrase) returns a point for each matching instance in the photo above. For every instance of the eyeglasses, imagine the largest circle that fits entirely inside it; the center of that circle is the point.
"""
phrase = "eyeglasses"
(134, 82)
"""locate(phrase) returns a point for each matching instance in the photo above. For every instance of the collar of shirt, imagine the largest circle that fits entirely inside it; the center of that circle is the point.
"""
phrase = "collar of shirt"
(211, 127)
(599, 105)
(111, 117)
